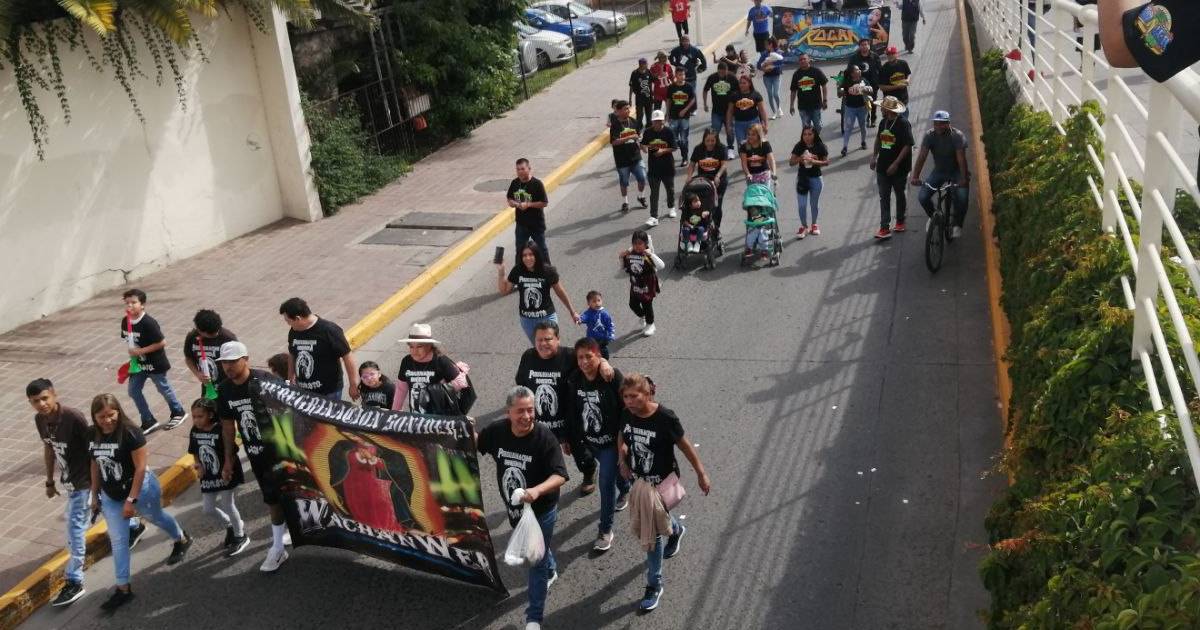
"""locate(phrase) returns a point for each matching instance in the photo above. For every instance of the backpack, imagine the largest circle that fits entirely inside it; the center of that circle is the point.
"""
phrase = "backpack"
(443, 400)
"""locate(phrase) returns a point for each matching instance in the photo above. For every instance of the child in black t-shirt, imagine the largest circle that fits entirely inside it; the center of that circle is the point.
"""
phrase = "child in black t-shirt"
(642, 265)
(278, 364)
(695, 222)
(375, 388)
(147, 349)
(207, 445)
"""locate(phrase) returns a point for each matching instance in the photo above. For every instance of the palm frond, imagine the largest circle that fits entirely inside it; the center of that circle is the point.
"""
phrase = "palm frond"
(168, 16)
(207, 8)
(356, 12)
(99, 15)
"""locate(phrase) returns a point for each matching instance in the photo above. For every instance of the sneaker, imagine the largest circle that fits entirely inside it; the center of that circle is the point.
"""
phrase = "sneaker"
(533, 625)
(802, 232)
(135, 535)
(287, 538)
(671, 214)
(650, 599)
(589, 484)
(624, 208)
(179, 550)
(748, 253)
(955, 232)
(883, 233)
(641, 322)
(642, 201)
(683, 162)
(603, 542)
(553, 579)
(150, 426)
(815, 230)
(863, 146)
(674, 542)
(176, 420)
(845, 151)
(116, 600)
(275, 559)
(652, 221)
(622, 501)
(69, 593)
(648, 330)
(730, 154)
(899, 227)
(238, 545)
(228, 538)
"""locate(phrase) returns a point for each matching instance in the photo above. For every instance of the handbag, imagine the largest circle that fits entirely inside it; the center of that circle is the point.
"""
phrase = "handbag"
(803, 184)
(671, 491)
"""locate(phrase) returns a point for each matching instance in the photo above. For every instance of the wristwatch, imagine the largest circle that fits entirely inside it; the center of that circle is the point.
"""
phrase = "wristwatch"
(132, 500)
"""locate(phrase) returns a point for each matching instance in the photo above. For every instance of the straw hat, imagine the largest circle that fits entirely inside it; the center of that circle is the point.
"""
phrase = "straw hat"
(420, 333)
(892, 104)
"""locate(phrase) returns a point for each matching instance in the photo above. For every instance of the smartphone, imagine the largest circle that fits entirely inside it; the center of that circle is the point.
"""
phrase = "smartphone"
(498, 258)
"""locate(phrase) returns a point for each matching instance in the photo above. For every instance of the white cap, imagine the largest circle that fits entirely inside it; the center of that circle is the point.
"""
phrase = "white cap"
(232, 351)
(658, 115)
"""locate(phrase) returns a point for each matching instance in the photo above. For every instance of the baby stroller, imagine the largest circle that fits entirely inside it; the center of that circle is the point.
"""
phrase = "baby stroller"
(710, 243)
(762, 227)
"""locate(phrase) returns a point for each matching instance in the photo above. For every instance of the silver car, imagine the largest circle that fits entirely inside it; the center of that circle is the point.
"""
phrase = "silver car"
(550, 47)
(525, 59)
(603, 22)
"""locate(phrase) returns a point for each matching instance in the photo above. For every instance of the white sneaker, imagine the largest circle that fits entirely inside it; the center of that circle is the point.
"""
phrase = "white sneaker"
(533, 625)
(275, 559)
(730, 154)
(287, 538)
(955, 232)
(648, 330)
(696, 247)
(603, 542)
(671, 213)
(641, 322)
(552, 580)
(651, 222)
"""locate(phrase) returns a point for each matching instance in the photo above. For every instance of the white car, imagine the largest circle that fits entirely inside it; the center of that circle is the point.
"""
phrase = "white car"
(603, 22)
(525, 61)
(551, 47)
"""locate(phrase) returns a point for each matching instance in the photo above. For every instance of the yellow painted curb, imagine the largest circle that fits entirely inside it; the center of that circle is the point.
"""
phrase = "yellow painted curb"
(1001, 333)
(39, 586)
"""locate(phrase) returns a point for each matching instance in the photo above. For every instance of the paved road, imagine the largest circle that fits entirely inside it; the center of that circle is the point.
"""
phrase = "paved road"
(843, 403)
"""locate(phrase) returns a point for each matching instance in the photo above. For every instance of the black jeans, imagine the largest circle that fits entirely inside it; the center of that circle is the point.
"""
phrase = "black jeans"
(908, 28)
(524, 235)
(667, 182)
(642, 308)
(680, 29)
(642, 111)
(887, 185)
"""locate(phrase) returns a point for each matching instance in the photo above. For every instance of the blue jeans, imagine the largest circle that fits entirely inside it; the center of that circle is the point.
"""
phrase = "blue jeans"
(654, 558)
(639, 173)
(681, 127)
(741, 129)
(528, 324)
(772, 83)
(149, 506)
(961, 195)
(811, 118)
(718, 121)
(77, 517)
(539, 238)
(138, 381)
(612, 485)
(539, 574)
(814, 196)
(849, 117)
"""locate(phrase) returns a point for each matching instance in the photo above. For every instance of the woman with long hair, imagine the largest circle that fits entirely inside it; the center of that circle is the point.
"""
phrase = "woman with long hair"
(758, 160)
(745, 108)
(534, 279)
(853, 91)
(810, 155)
(708, 161)
(123, 487)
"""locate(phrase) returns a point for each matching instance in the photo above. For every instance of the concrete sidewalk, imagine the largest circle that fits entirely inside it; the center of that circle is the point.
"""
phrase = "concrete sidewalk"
(246, 279)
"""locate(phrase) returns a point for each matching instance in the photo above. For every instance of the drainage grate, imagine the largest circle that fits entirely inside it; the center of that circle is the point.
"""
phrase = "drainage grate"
(430, 229)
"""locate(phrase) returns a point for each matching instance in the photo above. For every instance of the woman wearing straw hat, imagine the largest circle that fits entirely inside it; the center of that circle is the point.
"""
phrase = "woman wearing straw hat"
(424, 366)
(891, 161)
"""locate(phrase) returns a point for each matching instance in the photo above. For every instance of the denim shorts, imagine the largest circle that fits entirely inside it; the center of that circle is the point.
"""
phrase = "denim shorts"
(638, 170)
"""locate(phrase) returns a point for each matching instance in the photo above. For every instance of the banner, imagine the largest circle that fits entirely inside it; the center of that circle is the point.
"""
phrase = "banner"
(831, 35)
(397, 486)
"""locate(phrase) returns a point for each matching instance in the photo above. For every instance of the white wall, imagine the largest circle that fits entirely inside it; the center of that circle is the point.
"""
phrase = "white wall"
(115, 199)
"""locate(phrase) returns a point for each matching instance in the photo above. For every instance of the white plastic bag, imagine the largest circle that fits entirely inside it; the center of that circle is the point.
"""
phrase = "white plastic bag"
(526, 545)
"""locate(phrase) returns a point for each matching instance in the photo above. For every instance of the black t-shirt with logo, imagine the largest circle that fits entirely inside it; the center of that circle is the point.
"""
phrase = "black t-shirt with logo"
(708, 162)
(641, 83)
(896, 73)
(756, 157)
(439, 369)
(651, 443)
(627, 152)
(721, 88)
(872, 63)
(745, 106)
(317, 353)
(533, 190)
(853, 100)
(596, 409)
(894, 135)
(146, 332)
(659, 165)
(678, 97)
(67, 433)
(242, 405)
(523, 462)
(114, 457)
(212, 351)
(818, 151)
(807, 86)
(380, 397)
(1162, 36)
(533, 289)
(208, 447)
(643, 276)
(547, 379)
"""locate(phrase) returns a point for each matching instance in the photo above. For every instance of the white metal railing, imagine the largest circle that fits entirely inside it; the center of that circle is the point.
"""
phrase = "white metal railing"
(1059, 64)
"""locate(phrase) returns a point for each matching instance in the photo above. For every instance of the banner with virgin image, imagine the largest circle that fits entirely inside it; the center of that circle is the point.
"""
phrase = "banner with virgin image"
(397, 486)
(831, 35)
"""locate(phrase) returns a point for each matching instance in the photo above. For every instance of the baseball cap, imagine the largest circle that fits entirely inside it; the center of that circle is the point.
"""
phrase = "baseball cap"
(892, 50)
(940, 115)
(658, 115)
(232, 351)
(642, 60)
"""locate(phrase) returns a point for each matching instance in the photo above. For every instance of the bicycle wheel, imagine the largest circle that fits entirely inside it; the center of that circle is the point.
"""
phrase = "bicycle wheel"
(935, 242)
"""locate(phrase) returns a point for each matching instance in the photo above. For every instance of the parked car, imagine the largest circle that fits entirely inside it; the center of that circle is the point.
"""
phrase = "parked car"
(525, 58)
(583, 36)
(549, 47)
(603, 22)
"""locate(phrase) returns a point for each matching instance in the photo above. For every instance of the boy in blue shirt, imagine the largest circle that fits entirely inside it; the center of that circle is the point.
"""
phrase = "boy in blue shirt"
(599, 323)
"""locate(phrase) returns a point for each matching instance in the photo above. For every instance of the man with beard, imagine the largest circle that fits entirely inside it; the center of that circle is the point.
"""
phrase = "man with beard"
(544, 369)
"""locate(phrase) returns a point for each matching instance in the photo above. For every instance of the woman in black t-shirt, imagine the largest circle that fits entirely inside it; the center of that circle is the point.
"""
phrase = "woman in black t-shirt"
(646, 444)
(758, 161)
(708, 161)
(534, 279)
(810, 155)
(745, 108)
(123, 487)
(424, 366)
(853, 90)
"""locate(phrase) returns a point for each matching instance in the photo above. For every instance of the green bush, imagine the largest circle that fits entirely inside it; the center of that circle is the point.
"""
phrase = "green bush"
(345, 164)
(1099, 528)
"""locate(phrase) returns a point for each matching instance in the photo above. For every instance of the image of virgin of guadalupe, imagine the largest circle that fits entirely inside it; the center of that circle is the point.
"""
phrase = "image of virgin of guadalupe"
(374, 486)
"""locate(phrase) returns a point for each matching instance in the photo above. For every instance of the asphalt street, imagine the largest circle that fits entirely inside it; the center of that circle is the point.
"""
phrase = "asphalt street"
(843, 403)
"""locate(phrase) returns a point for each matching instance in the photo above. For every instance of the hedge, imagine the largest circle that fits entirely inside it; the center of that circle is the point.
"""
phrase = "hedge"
(1099, 527)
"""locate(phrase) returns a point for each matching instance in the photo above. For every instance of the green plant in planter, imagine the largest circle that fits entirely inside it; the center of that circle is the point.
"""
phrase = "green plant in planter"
(344, 161)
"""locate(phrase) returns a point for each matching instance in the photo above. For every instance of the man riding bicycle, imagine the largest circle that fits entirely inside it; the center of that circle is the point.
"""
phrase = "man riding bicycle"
(949, 148)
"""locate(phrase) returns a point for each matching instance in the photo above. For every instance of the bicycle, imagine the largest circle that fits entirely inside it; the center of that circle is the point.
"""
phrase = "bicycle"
(939, 225)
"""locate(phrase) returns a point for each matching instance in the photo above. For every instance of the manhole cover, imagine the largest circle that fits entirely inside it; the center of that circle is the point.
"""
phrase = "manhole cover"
(493, 185)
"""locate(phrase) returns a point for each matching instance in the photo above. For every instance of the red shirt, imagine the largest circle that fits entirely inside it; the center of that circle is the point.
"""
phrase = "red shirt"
(679, 10)
(662, 78)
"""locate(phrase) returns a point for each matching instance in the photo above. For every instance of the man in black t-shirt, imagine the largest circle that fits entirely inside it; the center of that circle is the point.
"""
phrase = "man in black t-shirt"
(892, 161)
(527, 197)
(721, 85)
(641, 91)
(147, 347)
(893, 77)
(202, 347)
(1162, 37)
(809, 92)
(866, 59)
(528, 459)
(659, 144)
(690, 58)
(681, 104)
(315, 346)
(623, 136)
